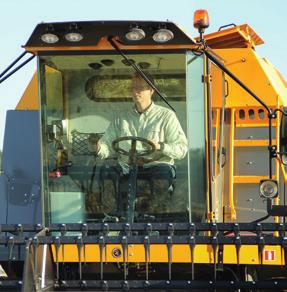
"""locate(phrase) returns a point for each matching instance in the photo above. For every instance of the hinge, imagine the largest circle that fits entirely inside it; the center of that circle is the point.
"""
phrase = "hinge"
(206, 78)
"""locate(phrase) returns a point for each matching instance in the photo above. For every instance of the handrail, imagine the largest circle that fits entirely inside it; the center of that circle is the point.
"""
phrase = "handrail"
(231, 165)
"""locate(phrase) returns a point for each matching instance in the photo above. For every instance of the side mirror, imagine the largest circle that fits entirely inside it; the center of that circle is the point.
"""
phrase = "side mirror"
(283, 140)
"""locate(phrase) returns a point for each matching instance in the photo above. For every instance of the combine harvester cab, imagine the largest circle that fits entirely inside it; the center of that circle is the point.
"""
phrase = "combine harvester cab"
(213, 219)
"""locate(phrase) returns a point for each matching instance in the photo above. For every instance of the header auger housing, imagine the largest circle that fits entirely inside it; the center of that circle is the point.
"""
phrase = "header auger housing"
(73, 217)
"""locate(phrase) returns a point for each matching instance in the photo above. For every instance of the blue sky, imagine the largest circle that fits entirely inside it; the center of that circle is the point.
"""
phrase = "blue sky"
(19, 17)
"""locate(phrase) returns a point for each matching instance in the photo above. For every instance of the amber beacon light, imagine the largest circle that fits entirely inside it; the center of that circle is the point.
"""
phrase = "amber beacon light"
(201, 20)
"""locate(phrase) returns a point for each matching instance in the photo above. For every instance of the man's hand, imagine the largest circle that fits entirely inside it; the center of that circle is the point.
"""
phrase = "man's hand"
(156, 144)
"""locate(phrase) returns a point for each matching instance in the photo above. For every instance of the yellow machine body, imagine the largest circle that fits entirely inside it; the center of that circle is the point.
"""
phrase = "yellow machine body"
(235, 47)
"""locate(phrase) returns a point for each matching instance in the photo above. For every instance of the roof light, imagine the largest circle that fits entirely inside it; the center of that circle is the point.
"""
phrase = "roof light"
(49, 38)
(163, 35)
(201, 19)
(268, 188)
(135, 34)
(73, 35)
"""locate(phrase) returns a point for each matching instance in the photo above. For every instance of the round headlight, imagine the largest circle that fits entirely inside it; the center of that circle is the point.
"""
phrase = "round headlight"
(73, 37)
(163, 35)
(49, 38)
(135, 34)
(268, 189)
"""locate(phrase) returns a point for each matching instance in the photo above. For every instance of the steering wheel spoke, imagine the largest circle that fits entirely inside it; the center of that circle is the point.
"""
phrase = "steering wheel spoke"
(134, 146)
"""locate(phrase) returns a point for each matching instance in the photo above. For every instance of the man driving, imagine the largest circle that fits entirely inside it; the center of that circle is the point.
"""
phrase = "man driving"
(146, 120)
(152, 122)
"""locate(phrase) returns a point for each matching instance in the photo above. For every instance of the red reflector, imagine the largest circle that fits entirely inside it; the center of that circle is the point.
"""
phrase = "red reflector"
(269, 255)
(54, 174)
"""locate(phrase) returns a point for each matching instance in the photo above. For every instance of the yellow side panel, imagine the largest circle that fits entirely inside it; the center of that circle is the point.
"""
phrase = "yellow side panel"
(249, 179)
(276, 79)
(272, 255)
(30, 98)
(252, 143)
(249, 255)
(216, 87)
(259, 76)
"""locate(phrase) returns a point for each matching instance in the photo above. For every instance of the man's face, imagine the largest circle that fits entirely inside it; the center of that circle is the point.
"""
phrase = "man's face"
(141, 90)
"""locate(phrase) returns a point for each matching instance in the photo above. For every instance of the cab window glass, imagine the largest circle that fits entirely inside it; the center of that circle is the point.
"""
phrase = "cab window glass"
(94, 93)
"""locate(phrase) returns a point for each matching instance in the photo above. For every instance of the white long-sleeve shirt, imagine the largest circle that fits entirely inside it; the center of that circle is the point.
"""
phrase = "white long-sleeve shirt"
(157, 123)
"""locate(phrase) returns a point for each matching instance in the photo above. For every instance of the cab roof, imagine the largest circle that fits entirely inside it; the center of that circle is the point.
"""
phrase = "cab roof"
(94, 31)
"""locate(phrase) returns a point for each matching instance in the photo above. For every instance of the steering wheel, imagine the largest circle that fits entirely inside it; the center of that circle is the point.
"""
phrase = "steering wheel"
(133, 153)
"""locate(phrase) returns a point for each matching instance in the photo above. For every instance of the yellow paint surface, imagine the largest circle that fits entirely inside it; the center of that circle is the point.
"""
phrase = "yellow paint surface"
(159, 254)
(30, 98)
